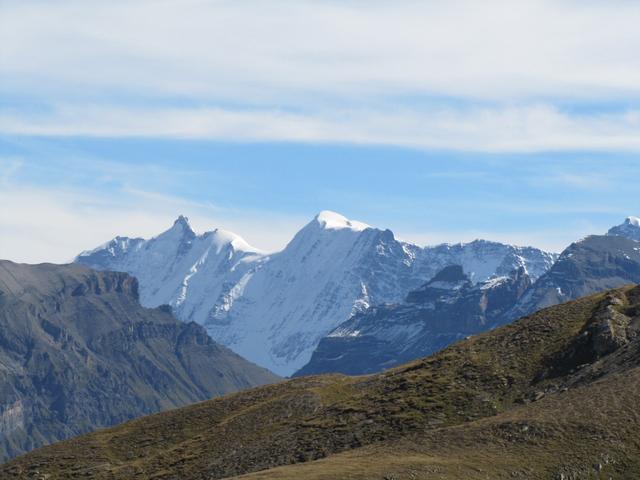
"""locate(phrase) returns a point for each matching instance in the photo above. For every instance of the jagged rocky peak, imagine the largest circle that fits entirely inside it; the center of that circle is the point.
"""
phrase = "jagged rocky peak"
(445, 309)
(182, 221)
(181, 227)
(218, 237)
(630, 229)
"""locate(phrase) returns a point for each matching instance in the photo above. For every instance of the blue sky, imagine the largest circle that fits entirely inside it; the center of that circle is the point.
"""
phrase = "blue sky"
(442, 122)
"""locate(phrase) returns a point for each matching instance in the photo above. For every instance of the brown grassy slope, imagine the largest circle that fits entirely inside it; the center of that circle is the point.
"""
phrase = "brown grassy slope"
(427, 416)
(590, 432)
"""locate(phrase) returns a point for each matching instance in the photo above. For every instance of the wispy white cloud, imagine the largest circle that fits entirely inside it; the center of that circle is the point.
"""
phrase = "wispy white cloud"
(8, 168)
(227, 48)
(48, 225)
(54, 225)
(463, 74)
(532, 128)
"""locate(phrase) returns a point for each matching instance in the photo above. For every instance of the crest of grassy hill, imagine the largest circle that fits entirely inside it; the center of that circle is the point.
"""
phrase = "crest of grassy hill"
(553, 395)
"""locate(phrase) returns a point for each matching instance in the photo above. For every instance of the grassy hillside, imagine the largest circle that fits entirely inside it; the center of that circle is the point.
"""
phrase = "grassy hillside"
(550, 396)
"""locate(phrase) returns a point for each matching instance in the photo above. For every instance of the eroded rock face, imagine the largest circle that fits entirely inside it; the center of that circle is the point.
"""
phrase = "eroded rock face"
(612, 326)
(609, 328)
(11, 417)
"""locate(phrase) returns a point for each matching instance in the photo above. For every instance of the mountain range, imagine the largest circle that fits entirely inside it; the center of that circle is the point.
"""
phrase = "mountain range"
(274, 308)
(450, 307)
(78, 352)
(551, 396)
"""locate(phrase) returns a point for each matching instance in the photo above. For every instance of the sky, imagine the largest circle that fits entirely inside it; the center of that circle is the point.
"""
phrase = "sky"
(442, 121)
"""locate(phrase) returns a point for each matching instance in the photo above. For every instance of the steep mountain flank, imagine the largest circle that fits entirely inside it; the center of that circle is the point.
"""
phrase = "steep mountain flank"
(78, 352)
(552, 395)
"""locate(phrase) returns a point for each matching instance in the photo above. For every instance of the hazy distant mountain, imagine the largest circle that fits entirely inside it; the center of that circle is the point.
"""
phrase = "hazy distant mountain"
(445, 309)
(78, 352)
(273, 309)
(588, 266)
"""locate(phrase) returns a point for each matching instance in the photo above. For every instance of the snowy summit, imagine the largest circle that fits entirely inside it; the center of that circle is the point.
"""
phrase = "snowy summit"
(334, 221)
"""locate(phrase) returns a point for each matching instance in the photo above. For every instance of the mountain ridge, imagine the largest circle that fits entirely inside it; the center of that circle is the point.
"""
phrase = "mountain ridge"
(78, 352)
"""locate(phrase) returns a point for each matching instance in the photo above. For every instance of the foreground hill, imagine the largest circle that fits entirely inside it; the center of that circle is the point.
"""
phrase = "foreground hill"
(552, 395)
(78, 352)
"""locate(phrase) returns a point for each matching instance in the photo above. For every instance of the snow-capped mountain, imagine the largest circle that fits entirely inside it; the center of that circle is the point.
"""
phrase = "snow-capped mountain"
(629, 229)
(273, 309)
(187, 271)
(445, 309)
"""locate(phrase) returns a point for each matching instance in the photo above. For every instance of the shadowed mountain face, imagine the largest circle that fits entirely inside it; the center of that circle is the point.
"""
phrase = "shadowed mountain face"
(553, 395)
(78, 352)
(445, 309)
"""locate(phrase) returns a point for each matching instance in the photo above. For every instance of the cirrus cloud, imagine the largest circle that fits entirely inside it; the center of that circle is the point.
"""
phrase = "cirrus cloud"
(489, 76)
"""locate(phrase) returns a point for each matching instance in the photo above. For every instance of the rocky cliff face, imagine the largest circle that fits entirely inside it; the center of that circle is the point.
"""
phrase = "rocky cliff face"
(78, 352)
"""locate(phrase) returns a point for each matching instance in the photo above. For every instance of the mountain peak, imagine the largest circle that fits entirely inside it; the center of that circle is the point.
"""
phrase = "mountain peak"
(224, 237)
(182, 221)
(182, 227)
(633, 221)
(334, 221)
(629, 229)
